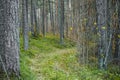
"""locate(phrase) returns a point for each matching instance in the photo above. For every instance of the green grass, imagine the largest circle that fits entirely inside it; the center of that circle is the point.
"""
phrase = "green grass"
(42, 47)
(46, 59)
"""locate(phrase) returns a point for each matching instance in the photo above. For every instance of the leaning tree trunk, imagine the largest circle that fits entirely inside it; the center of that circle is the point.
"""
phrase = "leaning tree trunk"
(9, 37)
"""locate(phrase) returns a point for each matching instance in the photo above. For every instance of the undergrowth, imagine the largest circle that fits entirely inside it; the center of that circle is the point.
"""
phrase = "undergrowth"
(46, 59)
(38, 46)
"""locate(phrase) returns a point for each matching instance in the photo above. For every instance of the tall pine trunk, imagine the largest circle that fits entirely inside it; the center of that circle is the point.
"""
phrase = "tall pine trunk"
(35, 18)
(61, 19)
(51, 17)
(32, 18)
(119, 28)
(101, 23)
(25, 23)
(43, 19)
(9, 37)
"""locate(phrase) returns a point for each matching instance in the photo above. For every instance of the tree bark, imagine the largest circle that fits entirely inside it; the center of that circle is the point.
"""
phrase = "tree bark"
(25, 24)
(9, 37)
(32, 18)
(101, 23)
(43, 18)
(51, 17)
(35, 18)
(61, 19)
(119, 28)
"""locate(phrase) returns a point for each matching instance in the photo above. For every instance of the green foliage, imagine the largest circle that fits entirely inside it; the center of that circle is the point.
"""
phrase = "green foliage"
(26, 72)
(41, 46)
(46, 59)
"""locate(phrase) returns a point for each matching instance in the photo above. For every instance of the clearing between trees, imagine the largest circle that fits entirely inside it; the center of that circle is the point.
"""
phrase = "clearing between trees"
(46, 59)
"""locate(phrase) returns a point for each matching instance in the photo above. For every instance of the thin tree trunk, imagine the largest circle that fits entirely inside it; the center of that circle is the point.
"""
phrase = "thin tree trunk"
(119, 27)
(32, 18)
(51, 16)
(101, 23)
(43, 20)
(35, 18)
(25, 24)
(60, 21)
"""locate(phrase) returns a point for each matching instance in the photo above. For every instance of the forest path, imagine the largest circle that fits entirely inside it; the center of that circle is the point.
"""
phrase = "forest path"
(46, 59)
(47, 64)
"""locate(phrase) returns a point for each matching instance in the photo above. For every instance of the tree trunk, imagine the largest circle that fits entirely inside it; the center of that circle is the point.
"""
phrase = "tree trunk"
(25, 24)
(51, 17)
(61, 21)
(9, 37)
(43, 19)
(32, 18)
(101, 23)
(35, 18)
(119, 28)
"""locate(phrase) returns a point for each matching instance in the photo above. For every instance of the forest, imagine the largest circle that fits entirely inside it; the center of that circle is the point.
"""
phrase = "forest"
(60, 40)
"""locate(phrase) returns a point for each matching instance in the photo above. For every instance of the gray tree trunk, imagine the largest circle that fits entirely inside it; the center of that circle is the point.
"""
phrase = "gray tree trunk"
(119, 28)
(101, 23)
(43, 18)
(46, 19)
(35, 18)
(51, 17)
(61, 19)
(32, 18)
(9, 37)
(25, 24)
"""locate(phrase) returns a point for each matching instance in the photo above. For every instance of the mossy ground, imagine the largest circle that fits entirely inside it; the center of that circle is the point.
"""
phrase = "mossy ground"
(46, 59)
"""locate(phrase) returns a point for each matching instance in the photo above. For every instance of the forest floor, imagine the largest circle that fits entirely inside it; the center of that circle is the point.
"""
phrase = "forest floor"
(46, 59)
(50, 65)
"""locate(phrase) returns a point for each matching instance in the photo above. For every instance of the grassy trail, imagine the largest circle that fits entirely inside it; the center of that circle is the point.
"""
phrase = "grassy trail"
(38, 65)
(46, 59)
